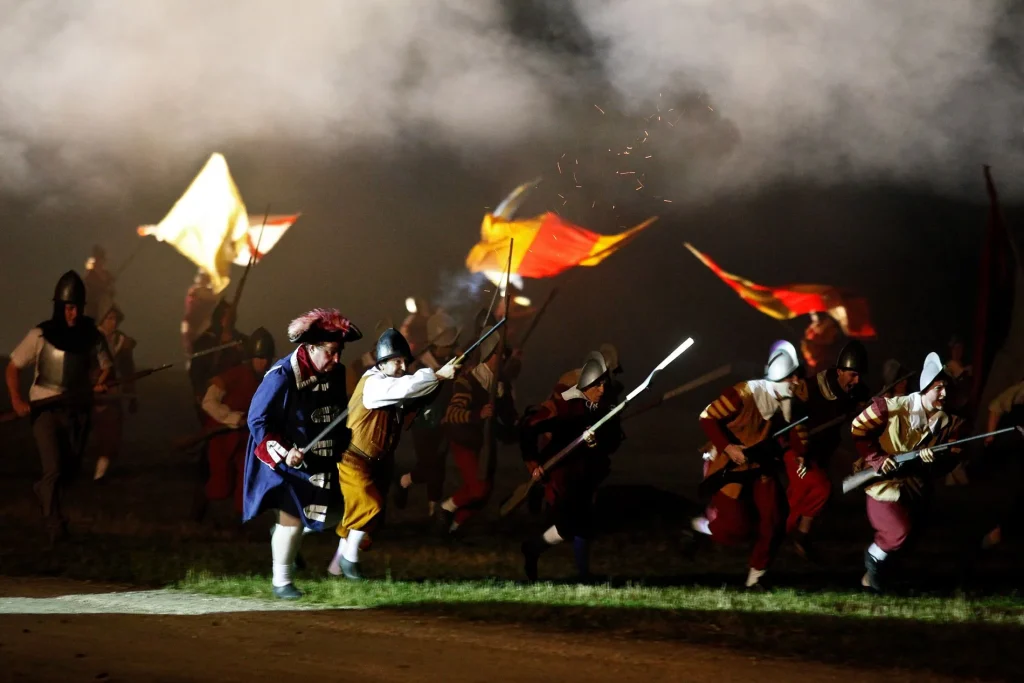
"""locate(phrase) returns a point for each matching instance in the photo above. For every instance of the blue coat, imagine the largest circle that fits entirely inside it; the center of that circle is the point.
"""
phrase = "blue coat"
(292, 412)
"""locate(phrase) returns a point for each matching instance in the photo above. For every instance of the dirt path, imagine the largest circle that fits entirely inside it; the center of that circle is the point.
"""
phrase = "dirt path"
(365, 646)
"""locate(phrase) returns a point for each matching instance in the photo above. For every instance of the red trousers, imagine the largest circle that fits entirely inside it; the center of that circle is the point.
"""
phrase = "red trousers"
(892, 522)
(474, 492)
(806, 497)
(226, 456)
(757, 514)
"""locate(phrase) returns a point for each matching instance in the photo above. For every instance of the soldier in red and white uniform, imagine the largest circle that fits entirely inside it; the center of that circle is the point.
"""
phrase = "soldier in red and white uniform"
(226, 404)
(740, 424)
(470, 406)
(889, 427)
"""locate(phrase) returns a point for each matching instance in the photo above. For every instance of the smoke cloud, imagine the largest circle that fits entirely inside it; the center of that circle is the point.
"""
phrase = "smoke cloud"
(918, 90)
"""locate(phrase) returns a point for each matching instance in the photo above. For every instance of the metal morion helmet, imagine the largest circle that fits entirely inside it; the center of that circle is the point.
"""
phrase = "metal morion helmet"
(392, 345)
(441, 329)
(594, 370)
(261, 344)
(853, 357)
(782, 361)
(932, 370)
(70, 289)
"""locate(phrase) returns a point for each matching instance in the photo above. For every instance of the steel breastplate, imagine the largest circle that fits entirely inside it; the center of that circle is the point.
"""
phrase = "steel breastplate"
(62, 370)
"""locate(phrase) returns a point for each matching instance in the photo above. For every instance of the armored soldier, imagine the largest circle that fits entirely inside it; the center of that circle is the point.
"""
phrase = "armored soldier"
(429, 439)
(67, 351)
(226, 404)
(740, 425)
(299, 396)
(833, 396)
(199, 304)
(889, 427)
(570, 487)
(375, 414)
(108, 416)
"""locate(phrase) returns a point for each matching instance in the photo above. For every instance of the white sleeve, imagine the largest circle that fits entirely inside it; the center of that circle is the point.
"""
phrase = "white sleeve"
(380, 391)
(1004, 402)
(214, 407)
(25, 353)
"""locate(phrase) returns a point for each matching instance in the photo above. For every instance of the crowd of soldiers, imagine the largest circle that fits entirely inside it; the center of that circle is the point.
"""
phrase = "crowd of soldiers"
(312, 441)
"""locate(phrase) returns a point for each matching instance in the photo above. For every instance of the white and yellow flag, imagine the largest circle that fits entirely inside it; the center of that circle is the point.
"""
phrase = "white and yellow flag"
(208, 224)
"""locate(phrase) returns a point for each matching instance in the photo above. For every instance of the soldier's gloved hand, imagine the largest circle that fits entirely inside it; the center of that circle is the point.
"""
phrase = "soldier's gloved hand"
(801, 467)
(888, 465)
(236, 419)
(486, 411)
(926, 455)
(590, 438)
(294, 458)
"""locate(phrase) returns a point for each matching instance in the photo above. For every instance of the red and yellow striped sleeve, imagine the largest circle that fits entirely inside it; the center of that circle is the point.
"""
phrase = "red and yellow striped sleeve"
(460, 410)
(866, 430)
(719, 412)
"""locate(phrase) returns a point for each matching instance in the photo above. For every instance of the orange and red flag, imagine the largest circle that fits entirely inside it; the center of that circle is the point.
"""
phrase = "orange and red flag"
(544, 246)
(790, 301)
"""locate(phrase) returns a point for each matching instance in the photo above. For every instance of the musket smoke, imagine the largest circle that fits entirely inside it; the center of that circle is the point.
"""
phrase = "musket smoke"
(919, 90)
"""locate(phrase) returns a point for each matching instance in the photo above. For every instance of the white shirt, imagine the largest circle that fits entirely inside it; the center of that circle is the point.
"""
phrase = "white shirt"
(382, 391)
(28, 352)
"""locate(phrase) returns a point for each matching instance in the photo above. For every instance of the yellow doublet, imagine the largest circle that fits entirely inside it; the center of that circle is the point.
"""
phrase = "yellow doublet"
(374, 436)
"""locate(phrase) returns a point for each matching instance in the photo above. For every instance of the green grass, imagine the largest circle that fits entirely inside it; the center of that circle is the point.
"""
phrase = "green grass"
(1007, 611)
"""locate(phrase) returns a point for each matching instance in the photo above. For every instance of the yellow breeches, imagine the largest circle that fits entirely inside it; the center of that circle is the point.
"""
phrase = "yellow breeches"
(363, 500)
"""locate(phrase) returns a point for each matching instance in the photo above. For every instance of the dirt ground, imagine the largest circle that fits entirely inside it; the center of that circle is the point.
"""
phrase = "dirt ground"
(358, 645)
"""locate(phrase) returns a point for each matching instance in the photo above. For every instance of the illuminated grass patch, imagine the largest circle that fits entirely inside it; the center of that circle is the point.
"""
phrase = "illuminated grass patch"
(396, 594)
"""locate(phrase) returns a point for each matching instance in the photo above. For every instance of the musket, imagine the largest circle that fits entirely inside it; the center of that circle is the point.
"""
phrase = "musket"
(214, 349)
(89, 394)
(344, 413)
(713, 482)
(536, 318)
(707, 377)
(523, 490)
(858, 479)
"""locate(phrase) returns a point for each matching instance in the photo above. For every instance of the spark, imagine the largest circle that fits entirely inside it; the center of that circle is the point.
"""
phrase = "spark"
(710, 107)
(645, 135)
(579, 186)
(593, 204)
(559, 165)
(670, 124)
(667, 201)
(644, 140)
(562, 196)
(599, 109)
(648, 156)
(563, 156)
(574, 178)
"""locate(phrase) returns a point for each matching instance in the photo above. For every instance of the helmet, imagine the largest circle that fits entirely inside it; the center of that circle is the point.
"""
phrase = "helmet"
(853, 357)
(392, 345)
(70, 289)
(782, 361)
(441, 330)
(594, 369)
(611, 358)
(260, 344)
(116, 310)
(932, 370)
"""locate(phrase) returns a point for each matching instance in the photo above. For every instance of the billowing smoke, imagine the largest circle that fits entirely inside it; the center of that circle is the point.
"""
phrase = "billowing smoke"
(919, 90)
